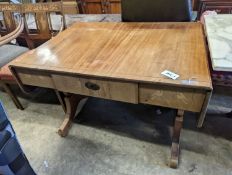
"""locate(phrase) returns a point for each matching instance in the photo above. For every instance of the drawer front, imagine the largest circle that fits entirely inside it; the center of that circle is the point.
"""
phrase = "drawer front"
(114, 90)
(35, 79)
(173, 97)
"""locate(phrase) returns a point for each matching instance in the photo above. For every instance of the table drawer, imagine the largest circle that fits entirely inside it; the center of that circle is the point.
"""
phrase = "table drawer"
(107, 89)
(173, 97)
(35, 79)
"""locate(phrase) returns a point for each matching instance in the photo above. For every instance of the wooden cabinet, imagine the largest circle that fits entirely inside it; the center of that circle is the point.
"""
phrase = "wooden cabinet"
(100, 6)
(220, 6)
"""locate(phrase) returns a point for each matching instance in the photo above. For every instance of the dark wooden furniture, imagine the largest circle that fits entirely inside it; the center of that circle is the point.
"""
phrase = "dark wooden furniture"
(220, 6)
(123, 62)
(100, 6)
(194, 4)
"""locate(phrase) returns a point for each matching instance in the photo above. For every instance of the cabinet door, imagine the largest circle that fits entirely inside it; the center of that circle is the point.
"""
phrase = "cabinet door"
(93, 6)
(113, 6)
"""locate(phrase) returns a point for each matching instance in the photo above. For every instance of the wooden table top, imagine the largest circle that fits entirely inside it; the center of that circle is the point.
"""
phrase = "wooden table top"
(127, 51)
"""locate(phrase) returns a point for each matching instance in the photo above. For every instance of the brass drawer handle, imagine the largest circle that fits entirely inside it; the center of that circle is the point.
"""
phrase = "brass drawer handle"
(92, 86)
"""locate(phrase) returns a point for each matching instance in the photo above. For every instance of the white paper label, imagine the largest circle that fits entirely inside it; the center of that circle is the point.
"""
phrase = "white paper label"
(170, 74)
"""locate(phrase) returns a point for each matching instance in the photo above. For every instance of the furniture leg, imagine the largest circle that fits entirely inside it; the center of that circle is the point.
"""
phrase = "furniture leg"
(60, 97)
(204, 109)
(30, 43)
(175, 150)
(12, 96)
(71, 102)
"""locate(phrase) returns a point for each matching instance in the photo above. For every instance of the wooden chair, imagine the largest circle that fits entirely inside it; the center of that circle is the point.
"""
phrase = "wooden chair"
(8, 53)
(42, 30)
(39, 26)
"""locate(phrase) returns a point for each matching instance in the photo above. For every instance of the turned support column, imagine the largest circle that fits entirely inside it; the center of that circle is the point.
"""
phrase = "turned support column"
(69, 103)
(175, 150)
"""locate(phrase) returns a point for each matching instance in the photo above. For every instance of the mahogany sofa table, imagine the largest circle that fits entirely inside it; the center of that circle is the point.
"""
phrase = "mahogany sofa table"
(123, 62)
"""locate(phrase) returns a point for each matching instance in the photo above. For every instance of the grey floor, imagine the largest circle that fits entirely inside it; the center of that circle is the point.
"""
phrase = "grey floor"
(113, 138)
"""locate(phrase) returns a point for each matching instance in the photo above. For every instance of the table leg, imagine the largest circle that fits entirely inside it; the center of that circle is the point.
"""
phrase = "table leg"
(70, 103)
(176, 139)
(201, 118)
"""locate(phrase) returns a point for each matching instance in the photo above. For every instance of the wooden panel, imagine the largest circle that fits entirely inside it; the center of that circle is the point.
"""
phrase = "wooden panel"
(113, 6)
(8, 16)
(101, 6)
(42, 7)
(70, 7)
(42, 23)
(35, 78)
(10, 7)
(195, 5)
(93, 6)
(9, 21)
(113, 90)
(173, 97)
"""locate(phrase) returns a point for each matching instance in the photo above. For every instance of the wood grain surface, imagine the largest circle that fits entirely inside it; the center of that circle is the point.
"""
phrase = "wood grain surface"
(173, 97)
(136, 52)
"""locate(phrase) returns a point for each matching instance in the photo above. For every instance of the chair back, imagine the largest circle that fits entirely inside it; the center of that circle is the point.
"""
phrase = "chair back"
(39, 24)
(8, 13)
(156, 10)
